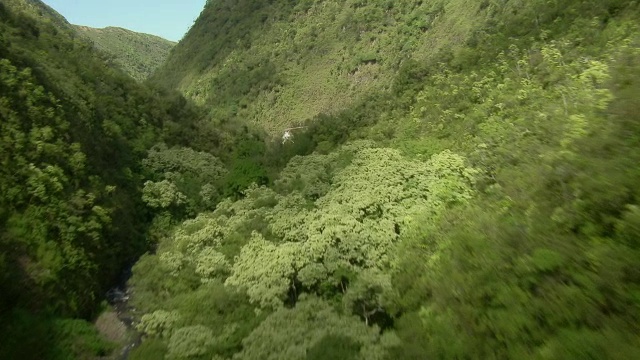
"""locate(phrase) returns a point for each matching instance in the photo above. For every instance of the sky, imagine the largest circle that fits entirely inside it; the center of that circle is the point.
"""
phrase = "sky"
(169, 19)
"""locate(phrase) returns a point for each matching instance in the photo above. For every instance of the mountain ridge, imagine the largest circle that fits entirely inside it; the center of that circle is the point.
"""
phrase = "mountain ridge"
(139, 54)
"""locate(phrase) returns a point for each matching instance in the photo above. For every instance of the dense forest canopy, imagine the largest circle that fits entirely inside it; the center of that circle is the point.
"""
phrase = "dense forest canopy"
(74, 132)
(463, 185)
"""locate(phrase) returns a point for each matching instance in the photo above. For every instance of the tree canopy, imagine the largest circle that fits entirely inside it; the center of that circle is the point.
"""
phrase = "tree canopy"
(463, 184)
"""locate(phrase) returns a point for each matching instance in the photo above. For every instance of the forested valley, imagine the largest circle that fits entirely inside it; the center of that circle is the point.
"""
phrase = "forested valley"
(462, 182)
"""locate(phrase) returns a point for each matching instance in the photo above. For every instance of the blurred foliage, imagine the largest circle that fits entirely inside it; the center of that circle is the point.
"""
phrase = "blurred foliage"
(29, 336)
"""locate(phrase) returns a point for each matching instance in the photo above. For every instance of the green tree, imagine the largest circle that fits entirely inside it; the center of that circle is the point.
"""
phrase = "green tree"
(162, 194)
(293, 333)
(265, 271)
(159, 323)
(195, 175)
(190, 342)
(366, 296)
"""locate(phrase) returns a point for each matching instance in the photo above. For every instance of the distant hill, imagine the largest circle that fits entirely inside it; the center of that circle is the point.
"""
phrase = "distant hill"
(279, 63)
(137, 53)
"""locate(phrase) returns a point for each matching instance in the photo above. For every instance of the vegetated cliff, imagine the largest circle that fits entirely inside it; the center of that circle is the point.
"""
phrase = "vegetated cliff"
(279, 63)
(136, 53)
(74, 130)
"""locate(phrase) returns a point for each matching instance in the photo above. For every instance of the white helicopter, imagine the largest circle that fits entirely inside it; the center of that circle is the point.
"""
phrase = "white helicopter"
(288, 136)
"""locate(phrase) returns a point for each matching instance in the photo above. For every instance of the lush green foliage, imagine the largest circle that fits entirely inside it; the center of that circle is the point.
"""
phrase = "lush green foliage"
(136, 53)
(73, 134)
(29, 336)
(465, 188)
(314, 329)
(491, 213)
(329, 233)
(279, 63)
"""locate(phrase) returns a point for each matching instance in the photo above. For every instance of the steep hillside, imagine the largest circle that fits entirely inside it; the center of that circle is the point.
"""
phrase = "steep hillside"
(136, 53)
(466, 186)
(73, 133)
(279, 63)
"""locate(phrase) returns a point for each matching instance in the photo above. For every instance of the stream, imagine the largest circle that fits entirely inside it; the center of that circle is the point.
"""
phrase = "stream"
(118, 298)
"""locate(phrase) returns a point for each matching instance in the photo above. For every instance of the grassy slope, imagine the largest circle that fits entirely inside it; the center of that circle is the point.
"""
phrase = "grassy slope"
(137, 53)
(280, 64)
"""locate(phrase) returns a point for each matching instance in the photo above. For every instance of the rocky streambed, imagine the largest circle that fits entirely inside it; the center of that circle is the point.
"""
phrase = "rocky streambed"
(117, 324)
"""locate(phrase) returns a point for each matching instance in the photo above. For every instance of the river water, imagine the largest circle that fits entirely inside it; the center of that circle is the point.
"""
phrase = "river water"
(118, 297)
